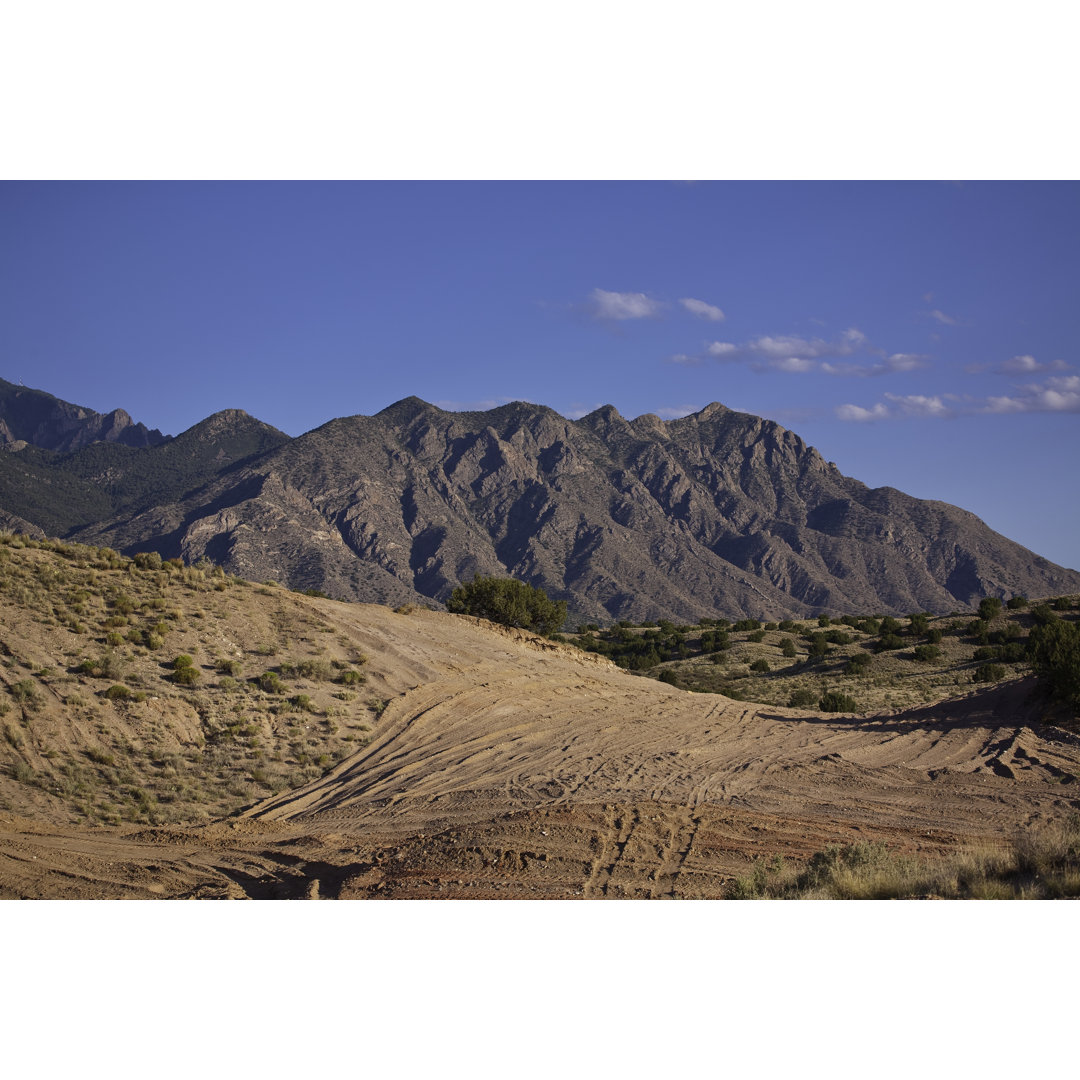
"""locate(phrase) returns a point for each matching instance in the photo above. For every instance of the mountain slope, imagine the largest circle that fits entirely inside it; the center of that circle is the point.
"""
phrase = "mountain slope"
(719, 513)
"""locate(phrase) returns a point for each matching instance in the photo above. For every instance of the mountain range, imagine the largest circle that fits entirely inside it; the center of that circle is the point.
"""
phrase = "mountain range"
(720, 513)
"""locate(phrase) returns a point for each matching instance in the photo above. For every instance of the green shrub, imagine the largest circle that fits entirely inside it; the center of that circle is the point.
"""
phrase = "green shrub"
(857, 664)
(350, 678)
(788, 648)
(118, 692)
(186, 675)
(760, 665)
(1055, 657)
(1017, 602)
(926, 654)
(802, 699)
(757, 636)
(182, 661)
(933, 636)
(114, 639)
(509, 603)
(918, 624)
(889, 625)
(25, 691)
(668, 676)
(746, 624)
(835, 701)
(989, 672)
(887, 642)
(230, 667)
(1063, 603)
(271, 683)
(989, 608)
(1044, 614)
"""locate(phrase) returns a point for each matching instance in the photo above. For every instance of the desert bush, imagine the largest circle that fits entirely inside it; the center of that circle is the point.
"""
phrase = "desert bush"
(746, 624)
(933, 636)
(1063, 603)
(989, 673)
(25, 691)
(757, 636)
(1043, 614)
(1017, 602)
(926, 654)
(802, 699)
(857, 664)
(668, 676)
(270, 682)
(186, 676)
(835, 701)
(760, 666)
(788, 648)
(118, 692)
(509, 603)
(989, 608)
(303, 703)
(350, 678)
(230, 667)
(888, 642)
(1055, 657)
(918, 624)
(889, 625)
(113, 639)
(316, 670)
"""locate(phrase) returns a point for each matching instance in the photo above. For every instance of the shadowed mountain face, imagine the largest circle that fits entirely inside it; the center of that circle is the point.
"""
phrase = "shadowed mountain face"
(717, 514)
(37, 418)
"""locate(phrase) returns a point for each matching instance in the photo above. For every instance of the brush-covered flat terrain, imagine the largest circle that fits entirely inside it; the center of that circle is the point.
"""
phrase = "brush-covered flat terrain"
(172, 731)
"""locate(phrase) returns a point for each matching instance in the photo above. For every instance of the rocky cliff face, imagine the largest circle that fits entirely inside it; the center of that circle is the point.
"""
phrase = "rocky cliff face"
(717, 514)
(34, 417)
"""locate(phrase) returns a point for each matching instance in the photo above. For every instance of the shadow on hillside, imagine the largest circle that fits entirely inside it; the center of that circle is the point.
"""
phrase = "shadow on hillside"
(1014, 704)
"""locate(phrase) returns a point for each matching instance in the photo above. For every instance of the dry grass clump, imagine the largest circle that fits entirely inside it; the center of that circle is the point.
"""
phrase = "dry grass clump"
(1040, 865)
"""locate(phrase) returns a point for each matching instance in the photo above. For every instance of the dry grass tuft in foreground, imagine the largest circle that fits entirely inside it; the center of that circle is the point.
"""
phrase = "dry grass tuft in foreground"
(1041, 865)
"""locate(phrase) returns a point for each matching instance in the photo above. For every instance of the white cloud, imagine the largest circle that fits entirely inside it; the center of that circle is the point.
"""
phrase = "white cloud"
(617, 305)
(1018, 365)
(702, 310)
(787, 346)
(682, 358)
(861, 415)
(1058, 394)
(941, 317)
(891, 365)
(793, 364)
(919, 404)
(723, 348)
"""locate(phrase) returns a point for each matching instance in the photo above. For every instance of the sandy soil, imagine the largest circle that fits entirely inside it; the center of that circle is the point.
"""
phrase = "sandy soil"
(505, 766)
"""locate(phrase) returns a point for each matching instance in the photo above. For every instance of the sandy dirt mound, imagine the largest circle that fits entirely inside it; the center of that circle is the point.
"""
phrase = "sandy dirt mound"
(504, 766)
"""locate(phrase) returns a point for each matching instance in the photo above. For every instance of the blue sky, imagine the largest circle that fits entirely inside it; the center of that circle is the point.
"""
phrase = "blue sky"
(921, 335)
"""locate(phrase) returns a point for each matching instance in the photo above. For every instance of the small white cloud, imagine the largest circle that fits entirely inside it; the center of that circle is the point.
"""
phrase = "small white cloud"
(941, 317)
(898, 362)
(928, 297)
(1018, 365)
(919, 404)
(723, 349)
(702, 310)
(677, 412)
(861, 415)
(793, 364)
(682, 358)
(617, 305)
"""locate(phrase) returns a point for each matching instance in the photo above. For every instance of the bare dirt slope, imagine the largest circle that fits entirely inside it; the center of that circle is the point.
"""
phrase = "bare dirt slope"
(505, 766)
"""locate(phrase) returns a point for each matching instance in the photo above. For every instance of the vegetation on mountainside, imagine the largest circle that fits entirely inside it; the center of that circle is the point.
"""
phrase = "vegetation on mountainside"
(856, 663)
(509, 603)
(145, 690)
